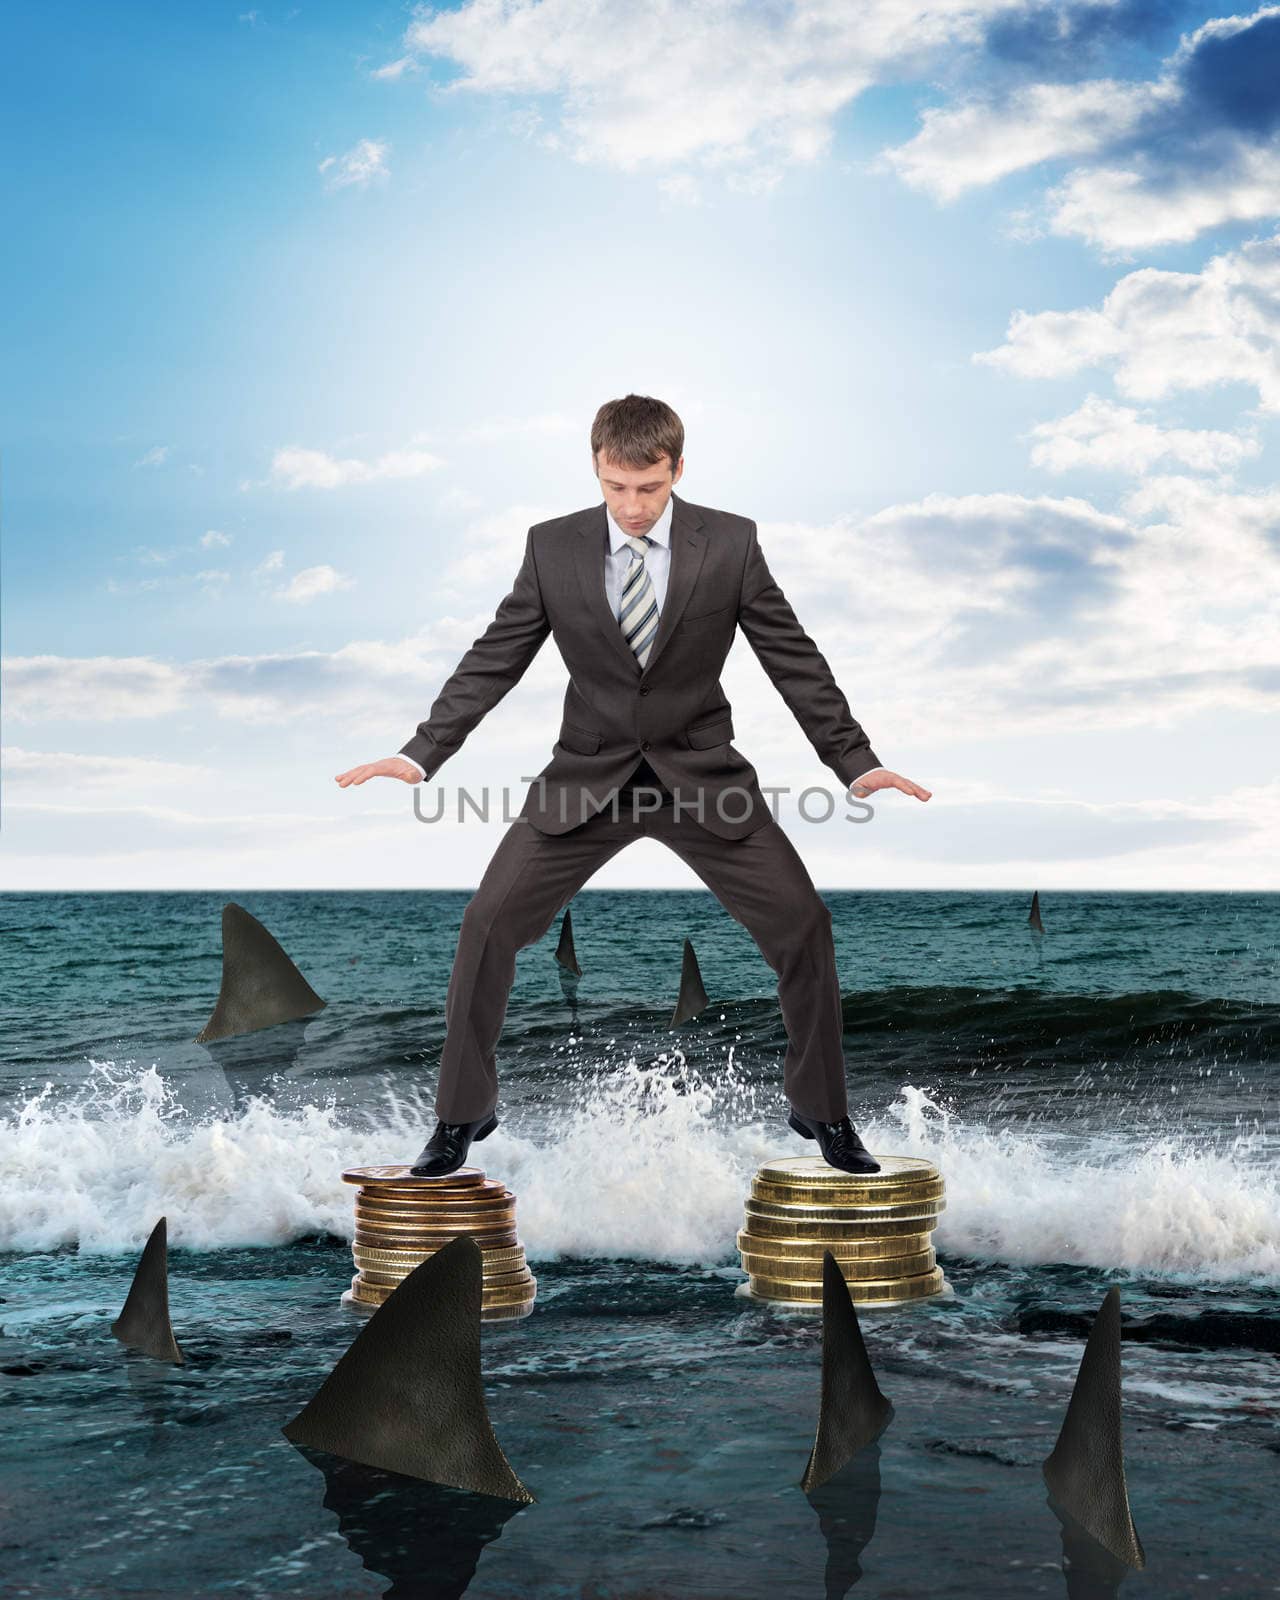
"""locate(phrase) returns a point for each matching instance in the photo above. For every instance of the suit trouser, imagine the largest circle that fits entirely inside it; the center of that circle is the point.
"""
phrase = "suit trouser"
(759, 879)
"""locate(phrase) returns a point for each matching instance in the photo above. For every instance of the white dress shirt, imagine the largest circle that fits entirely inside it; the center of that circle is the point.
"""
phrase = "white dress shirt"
(618, 558)
(617, 561)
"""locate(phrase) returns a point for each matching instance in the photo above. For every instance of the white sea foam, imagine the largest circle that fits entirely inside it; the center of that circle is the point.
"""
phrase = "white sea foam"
(645, 1163)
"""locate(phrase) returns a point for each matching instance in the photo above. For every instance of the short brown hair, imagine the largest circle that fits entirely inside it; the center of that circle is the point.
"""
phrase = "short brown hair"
(637, 431)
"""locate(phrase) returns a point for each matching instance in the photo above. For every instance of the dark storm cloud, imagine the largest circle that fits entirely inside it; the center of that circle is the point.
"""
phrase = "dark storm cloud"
(1230, 83)
(1234, 81)
(1230, 98)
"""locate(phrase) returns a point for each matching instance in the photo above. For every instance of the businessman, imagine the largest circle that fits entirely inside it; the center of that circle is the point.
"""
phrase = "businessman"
(644, 593)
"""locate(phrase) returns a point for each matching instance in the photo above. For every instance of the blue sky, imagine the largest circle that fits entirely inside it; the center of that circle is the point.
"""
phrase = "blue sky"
(307, 311)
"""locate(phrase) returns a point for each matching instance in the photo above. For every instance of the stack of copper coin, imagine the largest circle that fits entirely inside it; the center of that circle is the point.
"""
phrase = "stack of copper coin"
(401, 1220)
(876, 1224)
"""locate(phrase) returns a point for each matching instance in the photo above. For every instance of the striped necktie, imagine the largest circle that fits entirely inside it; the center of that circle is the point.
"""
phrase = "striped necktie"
(639, 611)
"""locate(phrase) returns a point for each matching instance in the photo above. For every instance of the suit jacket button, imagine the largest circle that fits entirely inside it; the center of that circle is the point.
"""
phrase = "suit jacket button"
(644, 744)
(644, 688)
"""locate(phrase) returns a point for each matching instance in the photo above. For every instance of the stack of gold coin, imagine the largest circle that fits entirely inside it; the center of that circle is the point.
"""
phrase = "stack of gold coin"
(401, 1220)
(876, 1224)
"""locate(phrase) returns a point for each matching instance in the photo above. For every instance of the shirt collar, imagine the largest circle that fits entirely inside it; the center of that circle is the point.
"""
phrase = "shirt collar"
(661, 530)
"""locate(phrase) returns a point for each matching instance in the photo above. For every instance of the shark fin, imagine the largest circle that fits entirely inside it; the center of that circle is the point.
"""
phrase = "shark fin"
(260, 984)
(564, 950)
(1085, 1469)
(143, 1323)
(852, 1412)
(692, 997)
(1033, 921)
(408, 1395)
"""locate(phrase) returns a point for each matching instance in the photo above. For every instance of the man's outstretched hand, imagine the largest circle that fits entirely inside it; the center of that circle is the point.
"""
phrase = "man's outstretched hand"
(882, 778)
(388, 767)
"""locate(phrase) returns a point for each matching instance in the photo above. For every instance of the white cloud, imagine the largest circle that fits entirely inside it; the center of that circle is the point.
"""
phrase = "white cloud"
(979, 142)
(1122, 210)
(312, 582)
(952, 622)
(1165, 331)
(214, 539)
(155, 457)
(60, 689)
(363, 164)
(49, 771)
(395, 69)
(297, 468)
(274, 562)
(1172, 157)
(1102, 435)
(1035, 614)
(754, 88)
(989, 610)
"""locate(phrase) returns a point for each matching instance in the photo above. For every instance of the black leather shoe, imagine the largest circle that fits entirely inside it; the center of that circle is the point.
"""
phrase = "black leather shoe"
(446, 1149)
(838, 1141)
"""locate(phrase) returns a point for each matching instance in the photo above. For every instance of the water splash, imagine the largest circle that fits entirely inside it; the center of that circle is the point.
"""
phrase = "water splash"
(645, 1162)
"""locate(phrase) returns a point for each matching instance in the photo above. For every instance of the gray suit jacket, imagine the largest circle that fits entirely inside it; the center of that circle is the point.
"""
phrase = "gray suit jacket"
(673, 711)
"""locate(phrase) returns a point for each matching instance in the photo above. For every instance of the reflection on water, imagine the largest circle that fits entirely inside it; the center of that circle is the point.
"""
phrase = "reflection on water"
(846, 1505)
(425, 1539)
(1092, 1572)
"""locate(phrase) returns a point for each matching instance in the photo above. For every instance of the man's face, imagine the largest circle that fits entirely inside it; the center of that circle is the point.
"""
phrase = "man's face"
(637, 497)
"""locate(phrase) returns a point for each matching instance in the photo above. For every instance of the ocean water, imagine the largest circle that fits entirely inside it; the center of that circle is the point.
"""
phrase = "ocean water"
(1101, 1100)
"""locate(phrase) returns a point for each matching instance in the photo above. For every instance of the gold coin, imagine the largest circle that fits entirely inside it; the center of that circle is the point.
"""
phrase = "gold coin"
(388, 1277)
(867, 1218)
(426, 1192)
(856, 1249)
(455, 1218)
(405, 1264)
(418, 1247)
(403, 1195)
(376, 1293)
(804, 1269)
(488, 1314)
(380, 1233)
(445, 1226)
(452, 1220)
(500, 1279)
(463, 1194)
(434, 1209)
(396, 1258)
(513, 1313)
(860, 1290)
(815, 1169)
(822, 1194)
(428, 1244)
(836, 1232)
(428, 1188)
(491, 1280)
(400, 1173)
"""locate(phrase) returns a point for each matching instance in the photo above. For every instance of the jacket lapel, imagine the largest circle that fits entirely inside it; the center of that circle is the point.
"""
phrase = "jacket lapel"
(688, 547)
